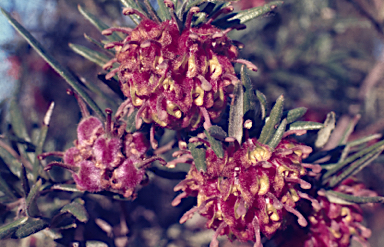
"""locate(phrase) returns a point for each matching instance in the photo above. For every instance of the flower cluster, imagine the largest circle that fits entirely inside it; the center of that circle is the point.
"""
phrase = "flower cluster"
(337, 224)
(249, 190)
(106, 159)
(175, 77)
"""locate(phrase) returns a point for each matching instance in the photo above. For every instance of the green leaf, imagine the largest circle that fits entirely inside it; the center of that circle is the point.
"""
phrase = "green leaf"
(274, 118)
(99, 44)
(131, 122)
(305, 125)
(66, 187)
(198, 152)
(131, 4)
(93, 56)
(13, 164)
(295, 114)
(31, 226)
(55, 65)
(17, 120)
(235, 128)
(30, 202)
(357, 142)
(24, 181)
(324, 134)
(41, 140)
(372, 149)
(278, 134)
(216, 145)
(8, 229)
(249, 14)
(99, 24)
(349, 130)
(163, 11)
(355, 167)
(263, 103)
(76, 209)
(217, 132)
(346, 199)
(249, 96)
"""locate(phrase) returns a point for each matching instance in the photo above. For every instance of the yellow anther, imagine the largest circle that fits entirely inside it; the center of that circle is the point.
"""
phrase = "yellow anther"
(298, 152)
(136, 101)
(264, 185)
(173, 110)
(198, 96)
(346, 213)
(215, 67)
(294, 195)
(272, 212)
(169, 84)
(260, 153)
(158, 121)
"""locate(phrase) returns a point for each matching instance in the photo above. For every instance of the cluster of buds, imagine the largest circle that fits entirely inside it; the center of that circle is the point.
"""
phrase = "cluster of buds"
(249, 190)
(105, 159)
(178, 77)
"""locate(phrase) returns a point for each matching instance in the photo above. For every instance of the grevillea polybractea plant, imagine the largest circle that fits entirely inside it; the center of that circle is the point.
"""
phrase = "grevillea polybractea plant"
(252, 178)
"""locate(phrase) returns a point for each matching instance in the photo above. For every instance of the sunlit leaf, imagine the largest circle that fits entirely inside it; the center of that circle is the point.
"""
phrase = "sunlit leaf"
(198, 152)
(295, 114)
(99, 24)
(278, 134)
(235, 127)
(274, 118)
(346, 199)
(216, 145)
(305, 125)
(92, 55)
(31, 226)
(324, 134)
(8, 229)
(30, 202)
(76, 209)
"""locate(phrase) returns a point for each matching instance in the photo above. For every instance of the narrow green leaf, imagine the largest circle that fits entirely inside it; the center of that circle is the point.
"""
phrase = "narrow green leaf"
(76, 209)
(31, 226)
(99, 24)
(357, 142)
(364, 140)
(100, 45)
(353, 158)
(349, 130)
(249, 96)
(324, 134)
(54, 64)
(131, 4)
(8, 229)
(30, 202)
(93, 56)
(66, 187)
(216, 145)
(263, 103)
(41, 140)
(13, 164)
(163, 11)
(198, 152)
(17, 120)
(24, 181)
(131, 122)
(305, 125)
(274, 118)
(217, 132)
(235, 128)
(350, 199)
(249, 14)
(355, 167)
(278, 134)
(295, 114)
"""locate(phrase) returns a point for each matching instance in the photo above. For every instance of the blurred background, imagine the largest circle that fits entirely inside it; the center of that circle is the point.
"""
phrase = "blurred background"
(325, 55)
